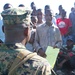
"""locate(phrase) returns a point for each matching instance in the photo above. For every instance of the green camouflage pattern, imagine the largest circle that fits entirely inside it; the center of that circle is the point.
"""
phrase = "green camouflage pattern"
(15, 16)
(34, 66)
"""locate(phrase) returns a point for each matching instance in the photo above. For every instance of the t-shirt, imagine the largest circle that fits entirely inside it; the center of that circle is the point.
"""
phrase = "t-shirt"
(63, 25)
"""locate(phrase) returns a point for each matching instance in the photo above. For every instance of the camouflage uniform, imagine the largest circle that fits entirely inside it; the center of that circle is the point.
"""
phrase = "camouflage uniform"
(36, 65)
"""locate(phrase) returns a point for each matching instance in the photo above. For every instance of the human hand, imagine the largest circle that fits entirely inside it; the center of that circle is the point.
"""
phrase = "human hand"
(55, 47)
(41, 53)
(34, 27)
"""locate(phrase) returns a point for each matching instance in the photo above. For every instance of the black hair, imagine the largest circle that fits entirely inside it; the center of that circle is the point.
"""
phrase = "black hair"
(21, 5)
(7, 5)
(47, 7)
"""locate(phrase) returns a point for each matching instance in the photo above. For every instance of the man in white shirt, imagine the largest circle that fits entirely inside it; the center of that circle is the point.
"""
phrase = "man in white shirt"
(46, 35)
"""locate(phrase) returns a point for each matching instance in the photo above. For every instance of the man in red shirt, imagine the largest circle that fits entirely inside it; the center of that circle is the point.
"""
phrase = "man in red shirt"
(64, 25)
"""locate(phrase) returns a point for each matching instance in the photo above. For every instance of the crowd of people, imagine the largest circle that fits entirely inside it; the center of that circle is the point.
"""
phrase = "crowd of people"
(27, 34)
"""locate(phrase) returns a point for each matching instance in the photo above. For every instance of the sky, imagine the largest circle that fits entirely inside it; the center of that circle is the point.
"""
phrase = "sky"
(67, 4)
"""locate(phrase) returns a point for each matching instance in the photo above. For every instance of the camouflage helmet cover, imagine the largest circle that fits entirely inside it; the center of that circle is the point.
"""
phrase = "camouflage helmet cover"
(13, 16)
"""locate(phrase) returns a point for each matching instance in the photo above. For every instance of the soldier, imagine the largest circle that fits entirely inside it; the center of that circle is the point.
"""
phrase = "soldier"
(15, 59)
